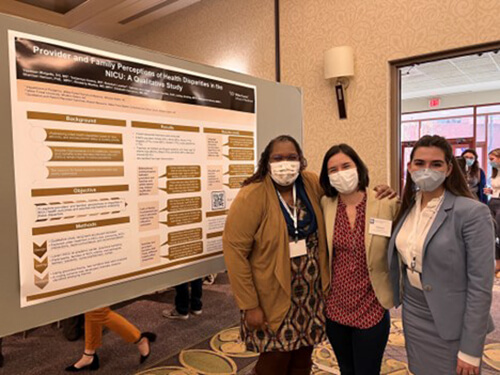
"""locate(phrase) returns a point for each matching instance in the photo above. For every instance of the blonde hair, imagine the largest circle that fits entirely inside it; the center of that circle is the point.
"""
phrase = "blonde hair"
(495, 152)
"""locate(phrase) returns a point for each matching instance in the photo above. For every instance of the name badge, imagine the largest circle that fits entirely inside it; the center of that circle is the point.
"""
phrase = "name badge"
(298, 248)
(380, 227)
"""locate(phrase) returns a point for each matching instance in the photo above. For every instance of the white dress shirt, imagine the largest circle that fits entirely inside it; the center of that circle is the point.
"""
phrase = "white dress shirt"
(411, 237)
(495, 186)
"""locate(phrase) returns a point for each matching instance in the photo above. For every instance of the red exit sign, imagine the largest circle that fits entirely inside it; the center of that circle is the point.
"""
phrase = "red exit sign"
(434, 102)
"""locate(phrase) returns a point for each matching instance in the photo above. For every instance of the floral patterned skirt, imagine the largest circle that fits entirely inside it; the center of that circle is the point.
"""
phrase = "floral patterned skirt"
(304, 324)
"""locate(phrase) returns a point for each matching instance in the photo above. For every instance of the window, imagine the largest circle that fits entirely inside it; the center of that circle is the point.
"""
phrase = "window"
(409, 131)
(450, 128)
(456, 125)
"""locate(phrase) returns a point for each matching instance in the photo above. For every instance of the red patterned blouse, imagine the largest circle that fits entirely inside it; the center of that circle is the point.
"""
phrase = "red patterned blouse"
(352, 301)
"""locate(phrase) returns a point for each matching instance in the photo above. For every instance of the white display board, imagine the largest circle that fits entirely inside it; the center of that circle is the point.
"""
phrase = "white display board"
(123, 167)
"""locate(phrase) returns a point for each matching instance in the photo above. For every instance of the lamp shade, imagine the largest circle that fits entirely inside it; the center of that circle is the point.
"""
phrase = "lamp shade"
(339, 62)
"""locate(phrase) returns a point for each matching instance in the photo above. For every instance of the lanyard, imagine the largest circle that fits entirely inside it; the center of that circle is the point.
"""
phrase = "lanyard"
(416, 233)
(294, 214)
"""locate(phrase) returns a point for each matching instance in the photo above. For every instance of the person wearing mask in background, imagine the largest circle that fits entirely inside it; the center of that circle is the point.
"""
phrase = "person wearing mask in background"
(475, 176)
(441, 263)
(275, 251)
(358, 228)
(494, 203)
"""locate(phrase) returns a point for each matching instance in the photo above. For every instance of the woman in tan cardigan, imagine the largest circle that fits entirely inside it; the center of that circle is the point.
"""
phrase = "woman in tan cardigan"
(275, 251)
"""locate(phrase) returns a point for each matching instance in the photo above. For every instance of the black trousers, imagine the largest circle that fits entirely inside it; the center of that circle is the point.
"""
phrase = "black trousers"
(359, 351)
(184, 301)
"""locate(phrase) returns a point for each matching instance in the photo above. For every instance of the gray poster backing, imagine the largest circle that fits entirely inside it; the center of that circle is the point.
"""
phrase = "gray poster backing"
(279, 111)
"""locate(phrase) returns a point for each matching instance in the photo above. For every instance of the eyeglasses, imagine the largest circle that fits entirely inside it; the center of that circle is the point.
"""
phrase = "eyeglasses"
(280, 158)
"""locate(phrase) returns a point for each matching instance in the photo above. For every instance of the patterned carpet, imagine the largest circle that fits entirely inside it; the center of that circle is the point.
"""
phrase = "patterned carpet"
(224, 353)
(201, 345)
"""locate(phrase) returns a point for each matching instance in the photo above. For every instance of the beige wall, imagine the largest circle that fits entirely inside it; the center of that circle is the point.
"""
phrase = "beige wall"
(379, 31)
(231, 34)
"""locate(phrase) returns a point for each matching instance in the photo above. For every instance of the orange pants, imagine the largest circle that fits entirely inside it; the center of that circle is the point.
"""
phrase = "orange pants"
(96, 319)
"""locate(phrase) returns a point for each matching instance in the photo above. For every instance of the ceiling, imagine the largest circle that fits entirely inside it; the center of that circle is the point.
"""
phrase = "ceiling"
(106, 18)
(60, 6)
(111, 18)
(471, 73)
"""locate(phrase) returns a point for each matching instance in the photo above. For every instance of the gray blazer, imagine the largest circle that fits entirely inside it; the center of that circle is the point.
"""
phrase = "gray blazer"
(457, 271)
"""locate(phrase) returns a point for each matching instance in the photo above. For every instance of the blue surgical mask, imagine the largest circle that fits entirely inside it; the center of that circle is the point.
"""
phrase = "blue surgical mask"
(469, 162)
(428, 179)
(495, 164)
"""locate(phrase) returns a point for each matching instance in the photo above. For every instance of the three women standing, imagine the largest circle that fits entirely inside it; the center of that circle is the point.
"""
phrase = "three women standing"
(441, 263)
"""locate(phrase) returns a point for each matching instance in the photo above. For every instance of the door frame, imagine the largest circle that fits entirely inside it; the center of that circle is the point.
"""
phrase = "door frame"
(395, 97)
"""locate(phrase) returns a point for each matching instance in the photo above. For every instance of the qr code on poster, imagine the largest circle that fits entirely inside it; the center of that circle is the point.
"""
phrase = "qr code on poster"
(218, 200)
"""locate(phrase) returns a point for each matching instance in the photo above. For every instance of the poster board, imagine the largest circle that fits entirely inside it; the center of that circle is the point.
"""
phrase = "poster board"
(20, 314)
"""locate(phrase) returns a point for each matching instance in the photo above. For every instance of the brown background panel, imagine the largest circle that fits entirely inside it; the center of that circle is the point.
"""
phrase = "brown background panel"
(47, 116)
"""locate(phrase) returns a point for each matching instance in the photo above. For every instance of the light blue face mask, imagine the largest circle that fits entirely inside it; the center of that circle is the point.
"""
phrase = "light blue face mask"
(428, 179)
(495, 164)
(469, 162)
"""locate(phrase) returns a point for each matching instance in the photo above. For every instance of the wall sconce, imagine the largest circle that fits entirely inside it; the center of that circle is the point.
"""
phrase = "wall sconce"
(339, 64)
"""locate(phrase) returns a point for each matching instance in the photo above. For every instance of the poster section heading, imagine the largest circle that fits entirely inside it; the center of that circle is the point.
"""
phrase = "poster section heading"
(45, 62)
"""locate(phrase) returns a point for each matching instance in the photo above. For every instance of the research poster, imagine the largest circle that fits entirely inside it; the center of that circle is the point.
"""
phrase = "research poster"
(123, 167)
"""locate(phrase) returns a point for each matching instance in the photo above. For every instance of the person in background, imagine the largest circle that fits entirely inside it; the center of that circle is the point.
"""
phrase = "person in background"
(94, 322)
(209, 279)
(441, 262)
(185, 301)
(358, 228)
(72, 327)
(494, 203)
(475, 176)
(275, 250)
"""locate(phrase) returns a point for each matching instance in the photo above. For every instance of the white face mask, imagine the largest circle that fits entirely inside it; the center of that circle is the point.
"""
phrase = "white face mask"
(428, 179)
(346, 181)
(285, 173)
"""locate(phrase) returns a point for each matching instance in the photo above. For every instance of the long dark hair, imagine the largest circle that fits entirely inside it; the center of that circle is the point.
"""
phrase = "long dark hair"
(324, 180)
(474, 169)
(462, 164)
(495, 152)
(455, 182)
(263, 166)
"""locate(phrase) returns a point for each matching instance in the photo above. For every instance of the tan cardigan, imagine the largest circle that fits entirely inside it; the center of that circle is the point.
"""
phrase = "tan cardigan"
(376, 246)
(256, 248)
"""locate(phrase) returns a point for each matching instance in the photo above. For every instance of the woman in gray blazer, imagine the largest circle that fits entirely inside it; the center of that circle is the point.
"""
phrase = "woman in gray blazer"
(441, 257)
